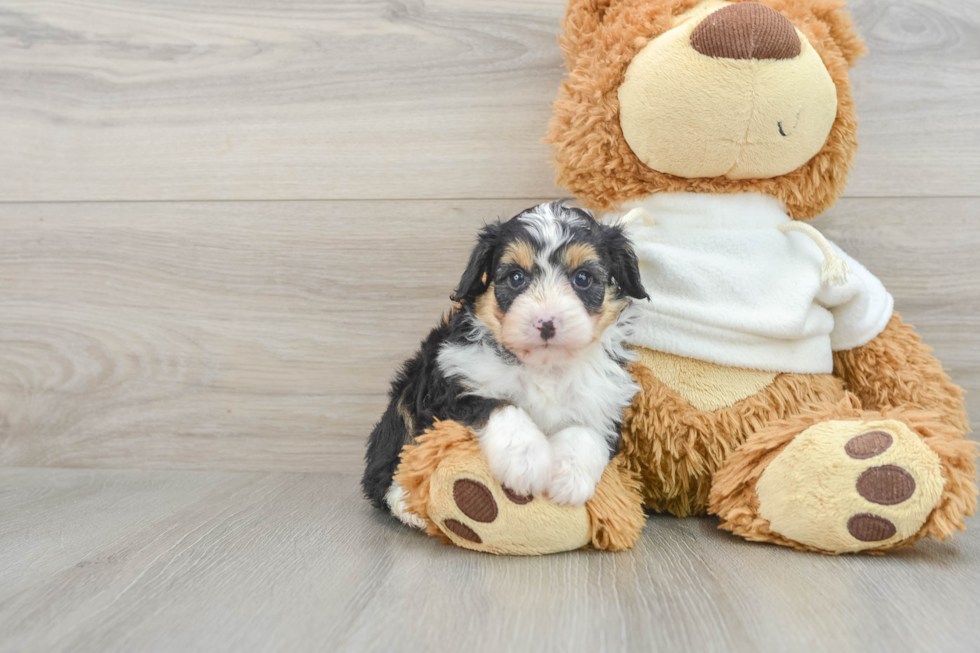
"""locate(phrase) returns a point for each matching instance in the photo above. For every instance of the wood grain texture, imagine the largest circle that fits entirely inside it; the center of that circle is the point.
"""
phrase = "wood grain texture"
(102, 560)
(349, 99)
(918, 99)
(216, 334)
(262, 335)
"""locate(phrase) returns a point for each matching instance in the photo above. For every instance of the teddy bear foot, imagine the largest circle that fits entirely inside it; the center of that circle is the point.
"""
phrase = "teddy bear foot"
(844, 486)
(476, 512)
(449, 484)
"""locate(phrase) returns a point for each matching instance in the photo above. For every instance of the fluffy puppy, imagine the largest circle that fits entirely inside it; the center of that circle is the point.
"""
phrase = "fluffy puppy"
(531, 357)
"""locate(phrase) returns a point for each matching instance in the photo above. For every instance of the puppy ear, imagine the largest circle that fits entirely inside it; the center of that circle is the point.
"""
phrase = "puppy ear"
(625, 268)
(476, 277)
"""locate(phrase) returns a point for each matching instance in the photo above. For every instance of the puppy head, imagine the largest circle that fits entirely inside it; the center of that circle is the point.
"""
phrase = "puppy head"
(548, 282)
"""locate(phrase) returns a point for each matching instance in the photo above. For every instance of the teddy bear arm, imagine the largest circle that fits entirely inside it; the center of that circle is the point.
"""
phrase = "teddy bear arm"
(896, 369)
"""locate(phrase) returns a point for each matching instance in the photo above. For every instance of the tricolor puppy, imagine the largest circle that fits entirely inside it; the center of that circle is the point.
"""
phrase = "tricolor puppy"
(531, 358)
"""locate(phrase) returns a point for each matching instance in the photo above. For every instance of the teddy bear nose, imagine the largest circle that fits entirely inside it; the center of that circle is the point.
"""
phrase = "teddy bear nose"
(746, 30)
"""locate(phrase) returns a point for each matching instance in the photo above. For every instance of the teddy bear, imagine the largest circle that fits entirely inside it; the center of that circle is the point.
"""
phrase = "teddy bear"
(778, 388)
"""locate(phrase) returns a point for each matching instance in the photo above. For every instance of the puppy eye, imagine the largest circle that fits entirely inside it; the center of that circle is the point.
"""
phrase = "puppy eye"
(582, 280)
(516, 279)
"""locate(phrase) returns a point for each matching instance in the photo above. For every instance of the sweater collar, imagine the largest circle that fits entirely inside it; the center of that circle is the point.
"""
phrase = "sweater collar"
(710, 211)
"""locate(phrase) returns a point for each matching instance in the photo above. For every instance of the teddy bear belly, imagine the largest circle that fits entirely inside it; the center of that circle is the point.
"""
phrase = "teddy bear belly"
(690, 415)
(706, 386)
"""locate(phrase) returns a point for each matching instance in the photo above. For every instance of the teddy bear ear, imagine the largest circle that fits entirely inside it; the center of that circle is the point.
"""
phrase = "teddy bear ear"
(842, 30)
(583, 18)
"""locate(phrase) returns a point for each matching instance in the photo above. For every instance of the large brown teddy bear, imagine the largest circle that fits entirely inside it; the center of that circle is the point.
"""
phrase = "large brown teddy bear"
(779, 390)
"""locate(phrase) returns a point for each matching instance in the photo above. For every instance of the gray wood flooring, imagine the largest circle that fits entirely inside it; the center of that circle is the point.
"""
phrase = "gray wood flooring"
(119, 560)
(222, 225)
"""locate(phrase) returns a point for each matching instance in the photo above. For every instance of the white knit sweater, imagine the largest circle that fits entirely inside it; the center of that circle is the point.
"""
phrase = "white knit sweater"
(728, 287)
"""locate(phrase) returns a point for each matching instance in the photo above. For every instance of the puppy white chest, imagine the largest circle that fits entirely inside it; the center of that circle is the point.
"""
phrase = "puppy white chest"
(591, 392)
(551, 404)
(558, 401)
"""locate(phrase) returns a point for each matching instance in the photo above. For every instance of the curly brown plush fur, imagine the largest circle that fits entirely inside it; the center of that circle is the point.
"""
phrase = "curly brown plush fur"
(616, 510)
(897, 369)
(592, 158)
(677, 449)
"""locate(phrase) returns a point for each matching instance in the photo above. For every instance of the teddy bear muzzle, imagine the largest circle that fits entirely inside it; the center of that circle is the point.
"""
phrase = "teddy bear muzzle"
(683, 105)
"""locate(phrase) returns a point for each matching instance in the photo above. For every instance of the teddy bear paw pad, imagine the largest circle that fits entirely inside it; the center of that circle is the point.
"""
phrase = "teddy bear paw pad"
(475, 500)
(476, 512)
(843, 486)
(519, 499)
(462, 530)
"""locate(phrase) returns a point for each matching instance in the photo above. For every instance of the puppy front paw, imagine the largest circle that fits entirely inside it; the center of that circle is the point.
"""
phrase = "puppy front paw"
(571, 484)
(517, 451)
(581, 456)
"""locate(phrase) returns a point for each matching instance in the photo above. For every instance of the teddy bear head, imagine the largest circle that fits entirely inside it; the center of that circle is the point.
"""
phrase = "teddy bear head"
(706, 96)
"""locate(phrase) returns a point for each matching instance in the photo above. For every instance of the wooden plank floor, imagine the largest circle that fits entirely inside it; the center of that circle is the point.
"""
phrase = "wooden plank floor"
(115, 560)
(223, 223)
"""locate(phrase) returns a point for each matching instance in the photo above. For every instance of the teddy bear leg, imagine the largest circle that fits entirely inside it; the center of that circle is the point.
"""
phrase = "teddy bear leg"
(447, 485)
(839, 479)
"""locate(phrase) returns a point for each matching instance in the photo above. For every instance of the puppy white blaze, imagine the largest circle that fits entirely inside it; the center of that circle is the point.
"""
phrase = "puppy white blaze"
(548, 228)
(549, 299)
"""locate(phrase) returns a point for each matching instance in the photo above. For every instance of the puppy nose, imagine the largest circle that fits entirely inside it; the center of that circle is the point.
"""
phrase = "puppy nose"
(746, 30)
(547, 330)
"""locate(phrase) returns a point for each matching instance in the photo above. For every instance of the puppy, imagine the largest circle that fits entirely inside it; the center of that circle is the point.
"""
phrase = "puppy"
(531, 357)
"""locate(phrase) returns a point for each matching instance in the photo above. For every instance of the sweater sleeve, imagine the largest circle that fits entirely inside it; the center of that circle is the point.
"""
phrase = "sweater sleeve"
(861, 306)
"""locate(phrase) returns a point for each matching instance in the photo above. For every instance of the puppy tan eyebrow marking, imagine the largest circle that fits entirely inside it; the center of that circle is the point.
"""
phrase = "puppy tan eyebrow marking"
(519, 253)
(578, 253)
